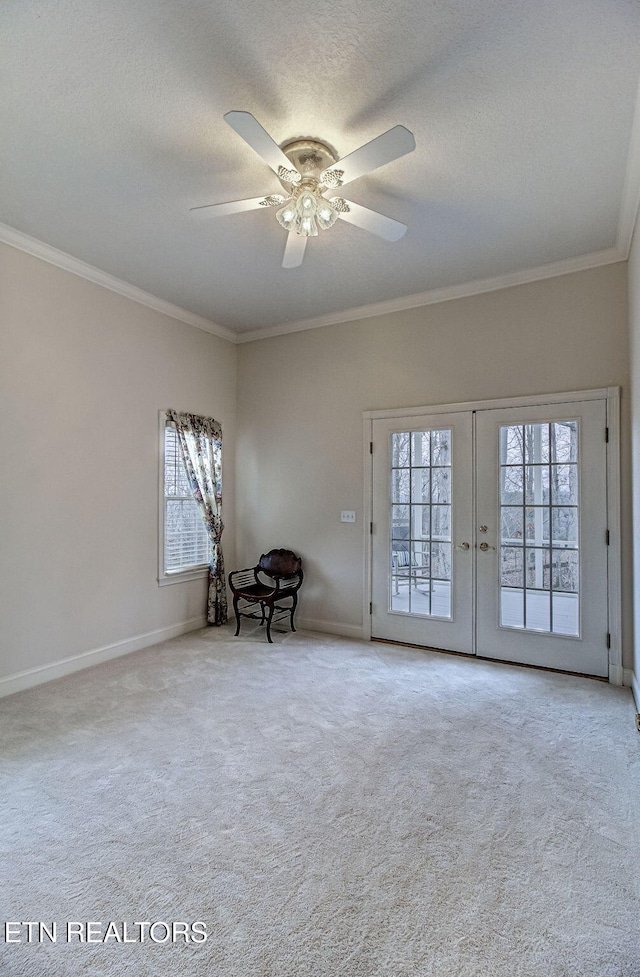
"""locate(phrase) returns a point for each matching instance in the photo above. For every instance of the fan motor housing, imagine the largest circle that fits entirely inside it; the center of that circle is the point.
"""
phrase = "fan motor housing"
(310, 157)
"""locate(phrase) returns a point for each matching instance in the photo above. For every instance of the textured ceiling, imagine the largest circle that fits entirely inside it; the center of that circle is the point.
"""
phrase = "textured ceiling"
(112, 128)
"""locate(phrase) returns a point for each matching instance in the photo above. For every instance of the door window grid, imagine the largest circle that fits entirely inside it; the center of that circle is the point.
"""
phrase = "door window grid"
(539, 522)
(420, 558)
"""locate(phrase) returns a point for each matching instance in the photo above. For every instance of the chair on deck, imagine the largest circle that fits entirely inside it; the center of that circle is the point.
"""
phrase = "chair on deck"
(271, 586)
(403, 568)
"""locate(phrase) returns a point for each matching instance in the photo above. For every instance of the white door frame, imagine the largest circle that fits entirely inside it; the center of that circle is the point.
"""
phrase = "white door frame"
(612, 397)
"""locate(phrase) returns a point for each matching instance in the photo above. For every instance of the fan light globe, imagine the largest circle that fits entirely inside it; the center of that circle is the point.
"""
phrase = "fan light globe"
(306, 210)
(287, 214)
(327, 214)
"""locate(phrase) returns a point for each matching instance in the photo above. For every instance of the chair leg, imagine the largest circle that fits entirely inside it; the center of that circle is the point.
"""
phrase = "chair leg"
(293, 607)
(235, 611)
(269, 638)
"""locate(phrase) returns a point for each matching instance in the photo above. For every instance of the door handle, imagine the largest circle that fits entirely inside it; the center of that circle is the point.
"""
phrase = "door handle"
(462, 546)
(485, 546)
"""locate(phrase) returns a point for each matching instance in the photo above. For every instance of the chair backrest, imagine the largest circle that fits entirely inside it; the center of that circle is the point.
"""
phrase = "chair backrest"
(280, 564)
(401, 558)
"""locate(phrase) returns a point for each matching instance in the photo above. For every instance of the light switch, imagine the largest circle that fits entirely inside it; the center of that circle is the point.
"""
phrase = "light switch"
(347, 515)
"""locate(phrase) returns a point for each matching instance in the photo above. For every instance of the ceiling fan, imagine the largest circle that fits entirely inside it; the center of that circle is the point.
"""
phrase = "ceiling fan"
(308, 170)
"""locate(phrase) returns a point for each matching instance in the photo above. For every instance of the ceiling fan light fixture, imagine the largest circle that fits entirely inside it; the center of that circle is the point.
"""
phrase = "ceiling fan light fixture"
(307, 168)
(306, 212)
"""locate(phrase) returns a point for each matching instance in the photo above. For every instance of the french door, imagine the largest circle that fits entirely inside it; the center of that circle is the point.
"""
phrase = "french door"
(490, 533)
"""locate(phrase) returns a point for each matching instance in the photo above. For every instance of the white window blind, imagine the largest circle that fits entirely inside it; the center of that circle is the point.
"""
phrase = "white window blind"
(186, 541)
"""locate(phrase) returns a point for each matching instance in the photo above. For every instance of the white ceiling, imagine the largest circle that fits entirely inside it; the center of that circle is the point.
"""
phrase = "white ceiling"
(111, 121)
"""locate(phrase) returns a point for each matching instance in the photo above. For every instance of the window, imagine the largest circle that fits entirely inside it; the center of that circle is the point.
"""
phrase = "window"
(184, 541)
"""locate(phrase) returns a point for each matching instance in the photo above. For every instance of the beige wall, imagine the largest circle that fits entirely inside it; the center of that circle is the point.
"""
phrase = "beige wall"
(84, 371)
(634, 331)
(83, 374)
(301, 398)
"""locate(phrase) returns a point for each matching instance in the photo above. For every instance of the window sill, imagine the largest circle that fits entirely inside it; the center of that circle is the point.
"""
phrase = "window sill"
(183, 576)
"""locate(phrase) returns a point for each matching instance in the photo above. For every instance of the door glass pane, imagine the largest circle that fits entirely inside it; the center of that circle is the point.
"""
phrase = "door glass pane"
(537, 611)
(565, 613)
(441, 561)
(564, 484)
(511, 445)
(441, 522)
(536, 444)
(565, 526)
(565, 571)
(440, 485)
(564, 441)
(421, 441)
(512, 566)
(420, 521)
(539, 526)
(536, 520)
(441, 448)
(420, 572)
(512, 524)
(400, 521)
(511, 484)
(420, 484)
(536, 484)
(400, 450)
(537, 568)
(512, 608)
(400, 485)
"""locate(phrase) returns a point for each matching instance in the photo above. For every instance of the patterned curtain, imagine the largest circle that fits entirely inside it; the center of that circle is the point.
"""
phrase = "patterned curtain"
(201, 443)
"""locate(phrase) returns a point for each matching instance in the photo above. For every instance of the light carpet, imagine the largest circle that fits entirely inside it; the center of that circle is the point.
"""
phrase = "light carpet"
(327, 808)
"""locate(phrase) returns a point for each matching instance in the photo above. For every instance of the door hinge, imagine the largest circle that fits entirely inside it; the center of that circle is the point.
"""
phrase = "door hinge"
(371, 529)
(370, 447)
(608, 640)
(370, 607)
(607, 537)
(606, 434)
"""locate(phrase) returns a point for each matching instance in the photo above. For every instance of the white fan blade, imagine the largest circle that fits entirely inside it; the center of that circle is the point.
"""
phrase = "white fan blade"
(294, 251)
(247, 126)
(237, 206)
(371, 220)
(383, 149)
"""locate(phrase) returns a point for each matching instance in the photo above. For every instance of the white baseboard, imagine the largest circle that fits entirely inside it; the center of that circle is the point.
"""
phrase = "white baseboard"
(330, 627)
(45, 673)
(616, 675)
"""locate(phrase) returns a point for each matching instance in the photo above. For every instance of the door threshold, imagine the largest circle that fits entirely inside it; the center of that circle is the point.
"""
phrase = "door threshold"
(497, 661)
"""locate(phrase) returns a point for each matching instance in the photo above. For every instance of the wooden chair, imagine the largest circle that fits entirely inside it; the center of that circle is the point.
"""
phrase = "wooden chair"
(271, 586)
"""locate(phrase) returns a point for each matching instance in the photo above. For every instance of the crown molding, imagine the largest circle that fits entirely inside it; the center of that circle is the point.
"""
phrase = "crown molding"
(466, 290)
(23, 242)
(631, 190)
